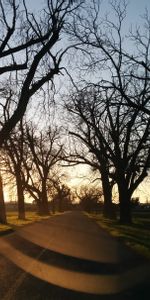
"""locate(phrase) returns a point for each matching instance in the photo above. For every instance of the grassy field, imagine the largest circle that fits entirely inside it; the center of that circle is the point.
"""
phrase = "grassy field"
(13, 222)
(136, 236)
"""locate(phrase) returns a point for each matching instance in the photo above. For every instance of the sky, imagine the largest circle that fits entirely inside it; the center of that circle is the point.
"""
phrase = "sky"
(135, 7)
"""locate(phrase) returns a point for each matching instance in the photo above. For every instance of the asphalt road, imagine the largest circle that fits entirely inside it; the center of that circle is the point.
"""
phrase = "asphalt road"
(69, 257)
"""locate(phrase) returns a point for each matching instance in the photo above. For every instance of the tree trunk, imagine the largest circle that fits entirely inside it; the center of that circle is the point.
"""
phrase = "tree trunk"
(125, 203)
(108, 210)
(53, 206)
(44, 208)
(20, 195)
(3, 218)
(39, 209)
(60, 205)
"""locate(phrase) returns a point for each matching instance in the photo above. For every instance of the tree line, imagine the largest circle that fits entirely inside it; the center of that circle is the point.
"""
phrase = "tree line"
(31, 157)
(107, 103)
(111, 112)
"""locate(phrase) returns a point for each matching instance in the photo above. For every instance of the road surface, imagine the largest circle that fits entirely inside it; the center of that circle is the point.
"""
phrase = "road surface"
(69, 257)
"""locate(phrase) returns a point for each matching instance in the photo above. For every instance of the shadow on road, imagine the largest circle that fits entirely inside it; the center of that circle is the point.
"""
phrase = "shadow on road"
(49, 274)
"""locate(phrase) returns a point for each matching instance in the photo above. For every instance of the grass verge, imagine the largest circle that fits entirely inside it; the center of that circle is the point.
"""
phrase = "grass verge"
(136, 236)
(13, 222)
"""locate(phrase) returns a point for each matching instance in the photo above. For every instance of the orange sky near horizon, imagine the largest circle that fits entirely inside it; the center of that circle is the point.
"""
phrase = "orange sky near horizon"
(81, 175)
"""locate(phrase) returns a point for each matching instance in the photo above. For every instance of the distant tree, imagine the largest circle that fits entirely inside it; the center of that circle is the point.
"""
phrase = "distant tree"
(90, 198)
(135, 202)
(62, 198)
(45, 151)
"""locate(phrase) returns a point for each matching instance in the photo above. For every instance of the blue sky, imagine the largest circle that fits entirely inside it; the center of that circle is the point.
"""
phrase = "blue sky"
(135, 7)
(135, 10)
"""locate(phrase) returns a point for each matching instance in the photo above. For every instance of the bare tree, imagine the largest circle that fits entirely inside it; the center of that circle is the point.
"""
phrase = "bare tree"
(117, 136)
(45, 150)
(61, 199)
(31, 53)
(3, 218)
(129, 131)
(120, 59)
(15, 153)
(122, 76)
(90, 198)
(85, 112)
